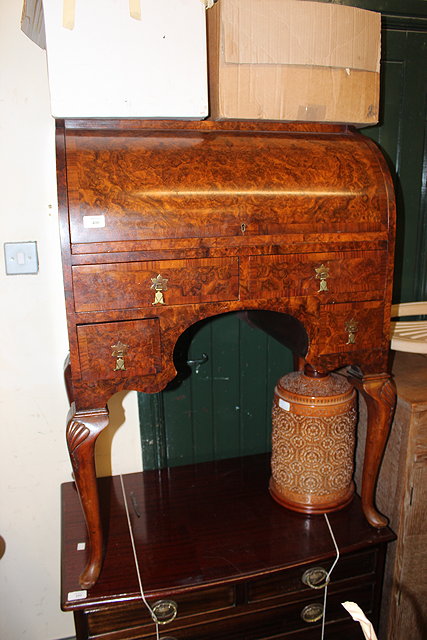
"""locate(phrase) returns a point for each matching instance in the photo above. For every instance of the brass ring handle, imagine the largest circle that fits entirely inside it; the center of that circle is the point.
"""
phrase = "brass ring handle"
(164, 611)
(312, 612)
(315, 578)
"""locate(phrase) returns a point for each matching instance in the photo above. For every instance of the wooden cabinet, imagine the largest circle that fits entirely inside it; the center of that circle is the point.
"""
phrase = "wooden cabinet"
(164, 224)
(237, 565)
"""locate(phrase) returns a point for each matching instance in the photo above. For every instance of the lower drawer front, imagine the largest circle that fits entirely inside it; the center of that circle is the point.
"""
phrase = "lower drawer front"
(294, 580)
(246, 622)
(120, 617)
(117, 349)
(348, 327)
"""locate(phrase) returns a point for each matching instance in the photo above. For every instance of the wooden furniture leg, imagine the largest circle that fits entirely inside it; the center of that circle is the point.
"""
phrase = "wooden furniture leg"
(83, 428)
(380, 395)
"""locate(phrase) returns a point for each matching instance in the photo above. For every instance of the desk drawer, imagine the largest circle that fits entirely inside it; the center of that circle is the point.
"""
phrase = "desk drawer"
(118, 617)
(239, 623)
(117, 349)
(323, 274)
(350, 327)
(146, 284)
(291, 581)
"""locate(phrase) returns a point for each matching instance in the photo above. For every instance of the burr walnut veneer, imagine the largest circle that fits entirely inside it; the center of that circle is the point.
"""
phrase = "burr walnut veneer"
(167, 223)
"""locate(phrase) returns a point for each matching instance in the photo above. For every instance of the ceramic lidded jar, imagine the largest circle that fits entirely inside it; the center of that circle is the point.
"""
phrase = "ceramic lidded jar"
(313, 439)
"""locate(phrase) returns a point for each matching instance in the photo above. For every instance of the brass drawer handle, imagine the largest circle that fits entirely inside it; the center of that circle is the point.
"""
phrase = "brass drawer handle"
(351, 327)
(119, 351)
(159, 284)
(312, 612)
(315, 578)
(164, 611)
(322, 274)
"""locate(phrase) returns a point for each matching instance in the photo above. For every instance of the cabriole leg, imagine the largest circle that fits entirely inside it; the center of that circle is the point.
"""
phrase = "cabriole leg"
(380, 395)
(83, 428)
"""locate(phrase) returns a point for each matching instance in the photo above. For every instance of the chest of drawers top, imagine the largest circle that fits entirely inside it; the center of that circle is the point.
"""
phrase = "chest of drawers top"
(210, 538)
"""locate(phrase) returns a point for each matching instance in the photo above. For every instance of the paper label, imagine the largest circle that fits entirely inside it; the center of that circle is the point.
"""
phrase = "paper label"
(81, 546)
(284, 405)
(77, 595)
(93, 222)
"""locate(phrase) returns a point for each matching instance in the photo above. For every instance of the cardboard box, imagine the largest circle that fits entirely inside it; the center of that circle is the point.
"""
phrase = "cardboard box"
(293, 60)
(112, 58)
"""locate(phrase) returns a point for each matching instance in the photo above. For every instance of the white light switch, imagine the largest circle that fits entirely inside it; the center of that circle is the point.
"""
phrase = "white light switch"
(21, 257)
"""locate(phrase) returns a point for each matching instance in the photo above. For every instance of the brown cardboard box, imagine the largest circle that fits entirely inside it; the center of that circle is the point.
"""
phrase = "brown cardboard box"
(293, 60)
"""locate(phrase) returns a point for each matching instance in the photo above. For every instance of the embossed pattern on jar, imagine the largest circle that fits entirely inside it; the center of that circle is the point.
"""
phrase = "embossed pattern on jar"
(313, 439)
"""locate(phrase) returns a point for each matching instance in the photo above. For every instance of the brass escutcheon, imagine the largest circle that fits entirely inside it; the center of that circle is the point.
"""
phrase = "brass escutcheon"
(351, 327)
(322, 274)
(159, 284)
(119, 351)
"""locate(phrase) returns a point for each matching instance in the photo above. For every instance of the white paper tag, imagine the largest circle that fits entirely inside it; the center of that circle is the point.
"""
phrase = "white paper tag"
(284, 405)
(94, 222)
(81, 546)
(77, 595)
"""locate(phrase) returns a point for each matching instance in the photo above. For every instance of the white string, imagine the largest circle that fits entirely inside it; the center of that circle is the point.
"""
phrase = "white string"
(135, 557)
(329, 575)
(138, 573)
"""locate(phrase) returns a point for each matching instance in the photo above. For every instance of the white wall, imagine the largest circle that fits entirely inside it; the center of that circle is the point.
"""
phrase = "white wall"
(33, 456)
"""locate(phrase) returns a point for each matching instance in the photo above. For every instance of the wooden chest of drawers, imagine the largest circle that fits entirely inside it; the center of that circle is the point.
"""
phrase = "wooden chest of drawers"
(164, 224)
(210, 538)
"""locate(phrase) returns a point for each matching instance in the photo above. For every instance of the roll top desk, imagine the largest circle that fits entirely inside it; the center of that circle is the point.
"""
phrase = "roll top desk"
(165, 223)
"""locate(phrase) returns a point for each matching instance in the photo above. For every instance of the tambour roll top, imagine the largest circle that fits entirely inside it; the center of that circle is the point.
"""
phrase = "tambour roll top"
(214, 179)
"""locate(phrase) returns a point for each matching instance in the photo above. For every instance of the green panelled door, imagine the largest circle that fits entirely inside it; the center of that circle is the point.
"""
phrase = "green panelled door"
(402, 137)
(220, 407)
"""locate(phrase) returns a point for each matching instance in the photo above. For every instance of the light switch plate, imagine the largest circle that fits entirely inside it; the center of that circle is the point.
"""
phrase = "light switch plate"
(21, 257)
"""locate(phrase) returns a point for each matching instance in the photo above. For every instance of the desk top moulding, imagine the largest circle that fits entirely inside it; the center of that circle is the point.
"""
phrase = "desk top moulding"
(165, 223)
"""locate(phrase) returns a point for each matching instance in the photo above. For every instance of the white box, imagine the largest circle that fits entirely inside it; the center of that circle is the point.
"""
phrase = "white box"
(111, 65)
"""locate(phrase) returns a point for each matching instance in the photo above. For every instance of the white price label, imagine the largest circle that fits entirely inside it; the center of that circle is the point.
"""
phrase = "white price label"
(284, 405)
(94, 222)
(77, 595)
